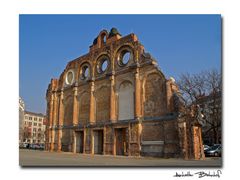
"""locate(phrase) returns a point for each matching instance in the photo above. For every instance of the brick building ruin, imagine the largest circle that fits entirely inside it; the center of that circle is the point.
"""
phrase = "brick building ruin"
(114, 100)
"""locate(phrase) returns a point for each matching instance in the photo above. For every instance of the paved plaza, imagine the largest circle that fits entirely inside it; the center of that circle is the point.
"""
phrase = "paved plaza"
(44, 158)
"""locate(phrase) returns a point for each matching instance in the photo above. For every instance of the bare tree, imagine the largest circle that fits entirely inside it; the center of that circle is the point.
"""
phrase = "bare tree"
(204, 90)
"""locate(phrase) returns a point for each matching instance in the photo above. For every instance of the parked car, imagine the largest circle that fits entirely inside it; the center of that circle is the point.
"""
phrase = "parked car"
(42, 146)
(31, 146)
(215, 150)
(206, 147)
(23, 145)
(34, 146)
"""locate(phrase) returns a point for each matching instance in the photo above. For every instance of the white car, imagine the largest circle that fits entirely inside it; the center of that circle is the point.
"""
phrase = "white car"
(206, 147)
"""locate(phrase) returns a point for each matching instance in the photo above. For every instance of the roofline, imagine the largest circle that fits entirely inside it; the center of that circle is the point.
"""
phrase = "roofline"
(33, 113)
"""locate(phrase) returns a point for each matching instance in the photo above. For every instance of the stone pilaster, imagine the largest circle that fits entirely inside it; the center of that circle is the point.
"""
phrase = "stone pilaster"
(112, 100)
(197, 143)
(114, 142)
(74, 142)
(182, 128)
(84, 140)
(202, 155)
(92, 142)
(92, 105)
(139, 137)
(60, 122)
(75, 118)
(104, 140)
(129, 139)
(54, 120)
(137, 95)
(75, 112)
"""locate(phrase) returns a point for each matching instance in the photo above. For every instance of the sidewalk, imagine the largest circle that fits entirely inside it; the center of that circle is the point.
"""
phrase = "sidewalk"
(44, 158)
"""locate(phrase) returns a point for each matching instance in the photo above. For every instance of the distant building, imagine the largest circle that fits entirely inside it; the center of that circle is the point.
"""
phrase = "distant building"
(21, 119)
(34, 127)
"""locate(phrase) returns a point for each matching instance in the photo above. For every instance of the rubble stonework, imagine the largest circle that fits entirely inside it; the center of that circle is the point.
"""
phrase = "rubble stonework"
(115, 100)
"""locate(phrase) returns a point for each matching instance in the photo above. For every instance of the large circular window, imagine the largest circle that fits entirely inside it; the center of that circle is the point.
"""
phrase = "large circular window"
(85, 71)
(124, 57)
(70, 77)
(103, 64)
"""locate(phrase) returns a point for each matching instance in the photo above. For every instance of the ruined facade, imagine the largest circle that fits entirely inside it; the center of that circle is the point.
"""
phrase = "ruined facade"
(115, 100)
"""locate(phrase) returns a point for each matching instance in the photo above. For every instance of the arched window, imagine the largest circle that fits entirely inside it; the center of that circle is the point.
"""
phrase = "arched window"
(85, 71)
(126, 101)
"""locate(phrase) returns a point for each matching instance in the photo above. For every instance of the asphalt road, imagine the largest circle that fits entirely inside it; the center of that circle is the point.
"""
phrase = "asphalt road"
(43, 158)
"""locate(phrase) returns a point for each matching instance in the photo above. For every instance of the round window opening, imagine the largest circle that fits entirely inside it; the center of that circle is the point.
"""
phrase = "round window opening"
(69, 79)
(104, 65)
(125, 57)
(85, 72)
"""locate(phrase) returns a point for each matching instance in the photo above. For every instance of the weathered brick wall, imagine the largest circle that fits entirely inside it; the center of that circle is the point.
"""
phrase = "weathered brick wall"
(88, 141)
(109, 140)
(55, 139)
(153, 131)
(134, 140)
(84, 108)
(171, 139)
(160, 138)
(66, 139)
(68, 111)
(102, 104)
(155, 96)
(152, 139)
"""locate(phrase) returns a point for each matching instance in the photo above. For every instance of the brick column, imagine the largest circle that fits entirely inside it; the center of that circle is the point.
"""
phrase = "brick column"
(114, 142)
(196, 143)
(104, 140)
(129, 139)
(183, 139)
(60, 122)
(202, 155)
(54, 119)
(137, 95)
(92, 142)
(75, 112)
(92, 105)
(74, 149)
(84, 140)
(75, 118)
(112, 100)
(139, 137)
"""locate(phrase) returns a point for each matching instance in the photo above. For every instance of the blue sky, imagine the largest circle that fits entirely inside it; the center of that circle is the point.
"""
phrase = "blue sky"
(180, 44)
